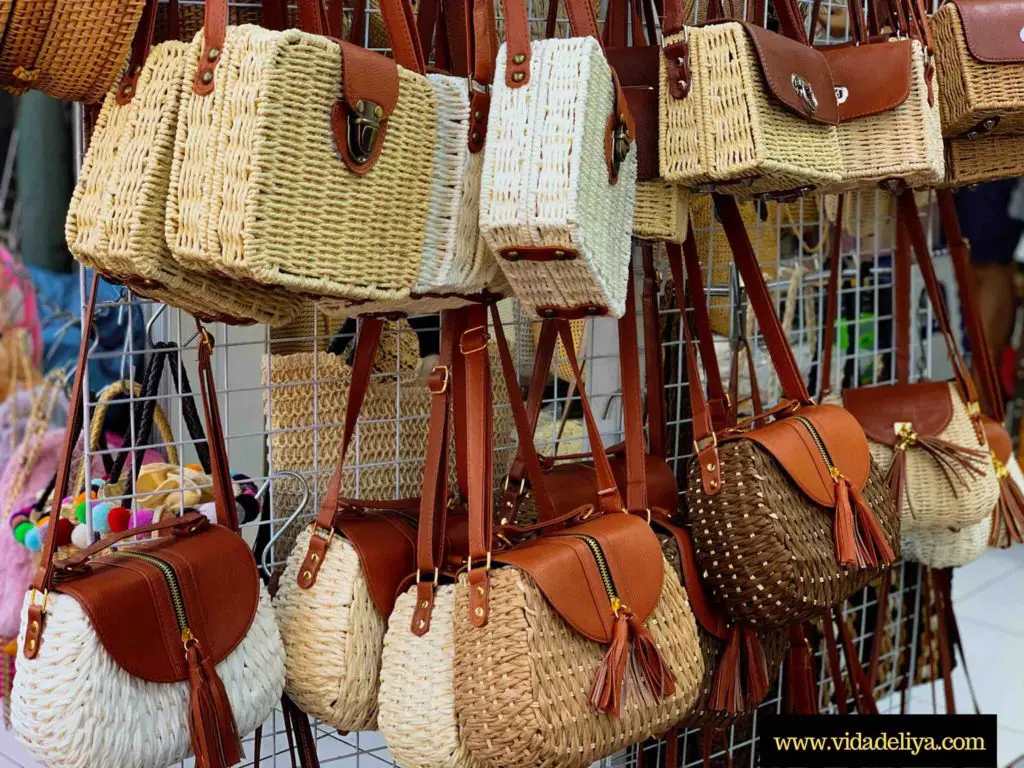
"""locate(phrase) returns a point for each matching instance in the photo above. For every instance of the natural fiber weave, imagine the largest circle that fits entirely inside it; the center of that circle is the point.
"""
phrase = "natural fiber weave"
(768, 550)
(417, 694)
(545, 179)
(661, 211)
(945, 547)
(257, 189)
(728, 129)
(971, 91)
(115, 221)
(332, 635)
(73, 706)
(905, 143)
(522, 681)
(69, 49)
(989, 158)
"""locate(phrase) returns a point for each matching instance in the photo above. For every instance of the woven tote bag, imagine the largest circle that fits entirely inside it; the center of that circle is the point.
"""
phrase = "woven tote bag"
(792, 516)
(115, 221)
(343, 213)
(68, 49)
(179, 626)
(979, 61)
(746, 110)
(989, 158)
(559, 175)
(928, 437)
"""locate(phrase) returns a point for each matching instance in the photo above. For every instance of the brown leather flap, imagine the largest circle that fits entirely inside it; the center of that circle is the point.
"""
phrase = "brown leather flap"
(872, 78)
(564, 568)
(993, 29)
(711, 621)
(570, 486)
(129, 602)
(368, 76)
(925, 404)
(999, 441)
(386, 545)
(793, 446)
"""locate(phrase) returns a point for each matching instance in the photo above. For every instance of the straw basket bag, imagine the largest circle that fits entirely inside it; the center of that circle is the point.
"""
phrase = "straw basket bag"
(69, 49)
(344, 212)
(745, 109)
(979, 60)
(115, 221)
(661, 211)
(988, 158)
(559, 176)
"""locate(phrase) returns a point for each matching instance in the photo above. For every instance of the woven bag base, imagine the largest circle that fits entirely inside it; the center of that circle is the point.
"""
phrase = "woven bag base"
(945, 547)
(661, 212)
(990, 158)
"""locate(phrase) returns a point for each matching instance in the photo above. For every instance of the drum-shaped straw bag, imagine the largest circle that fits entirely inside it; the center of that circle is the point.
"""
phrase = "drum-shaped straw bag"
(69, 49)
(559, 176)
(344, 212)
(747, 110)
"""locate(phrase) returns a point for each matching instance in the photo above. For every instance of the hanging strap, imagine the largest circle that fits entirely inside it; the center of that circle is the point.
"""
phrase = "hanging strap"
(657, 425)
(223, 494)
(831, 304)
(632, 405)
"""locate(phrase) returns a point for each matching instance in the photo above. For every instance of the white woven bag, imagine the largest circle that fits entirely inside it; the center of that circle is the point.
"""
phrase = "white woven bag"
(559, 177)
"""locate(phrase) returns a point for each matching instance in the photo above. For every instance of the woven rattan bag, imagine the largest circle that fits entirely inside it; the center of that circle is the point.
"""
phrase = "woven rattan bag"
(989, 158)
(745, 109)
(343, 213)
(790, 516)
(69, 49)
(559, 176)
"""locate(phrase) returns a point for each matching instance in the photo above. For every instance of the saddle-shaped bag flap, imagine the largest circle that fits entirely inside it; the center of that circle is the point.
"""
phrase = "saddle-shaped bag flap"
(872, 78)
(925, 404)
(993, 30)
(565, 569)
(386, 546)
(129, 604)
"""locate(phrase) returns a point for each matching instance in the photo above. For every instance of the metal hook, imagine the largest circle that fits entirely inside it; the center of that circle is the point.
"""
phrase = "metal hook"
(149, 330)
(264, 559)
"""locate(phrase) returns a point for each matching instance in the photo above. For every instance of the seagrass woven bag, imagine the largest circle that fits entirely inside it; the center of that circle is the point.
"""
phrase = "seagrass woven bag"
(789, 515)
(344, 212)
(559, 175)
(174, 634)
(927, 436)
(115, 221)
(746, 110)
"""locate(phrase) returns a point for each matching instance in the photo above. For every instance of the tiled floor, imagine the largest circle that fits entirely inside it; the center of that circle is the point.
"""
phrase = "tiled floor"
(989, 599)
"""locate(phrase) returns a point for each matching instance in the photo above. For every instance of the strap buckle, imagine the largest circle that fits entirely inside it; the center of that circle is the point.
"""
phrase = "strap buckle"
(522, 486)
(697, 447)
(487, 565)
(46, 598)
(317, 532)
(477, 87)
(437, 577)
(482, 345)
(445, 375)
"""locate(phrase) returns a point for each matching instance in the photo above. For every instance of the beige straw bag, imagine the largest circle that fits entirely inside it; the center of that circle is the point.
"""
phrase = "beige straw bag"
(343, 212)
(69, 49)
(745, 109)
(661, 211)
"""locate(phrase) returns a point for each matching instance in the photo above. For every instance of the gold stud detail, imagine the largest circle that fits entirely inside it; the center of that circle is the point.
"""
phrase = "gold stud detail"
(32, 646)
(315, 557)
(421, 624)
(307, 576)
(711, 466)
(476, 136)
(480, 591)
(518, 77)
(213, 54)
(207, 77)
(713, 483)
(424, 604)
(479, 613)
(478, 115)
(360, 105)
(519, 58)
(33, 627)
(127, 90)
(378, 112)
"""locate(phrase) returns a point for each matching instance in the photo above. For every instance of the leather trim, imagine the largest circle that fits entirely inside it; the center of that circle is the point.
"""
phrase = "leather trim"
(638, 70)
(711, 621)
(992, 29)
(999, 441)
(386, 546)
(538, 253)
(925, 404)
(367, 77)
(677, 62)
(876, 76)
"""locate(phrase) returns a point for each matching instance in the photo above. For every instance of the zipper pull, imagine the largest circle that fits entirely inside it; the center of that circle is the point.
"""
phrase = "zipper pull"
(211, 723)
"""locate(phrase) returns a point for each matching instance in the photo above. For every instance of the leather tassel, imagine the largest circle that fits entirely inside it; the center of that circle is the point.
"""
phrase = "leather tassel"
(1008, 516)
(212, 727)
(848, 549)
(870, 535)
(954, 460)
(633, 646)
(860, 541)
(801, 695)
(660, 680)
(754, 665)
(726, 686)
(606, 692)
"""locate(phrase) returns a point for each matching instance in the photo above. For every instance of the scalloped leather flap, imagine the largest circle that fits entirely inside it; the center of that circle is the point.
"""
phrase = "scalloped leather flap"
(993, 29)
(872, 78)
(925, 404)
(386, 545)
(564, 568)
(793, 446)
(129, 603)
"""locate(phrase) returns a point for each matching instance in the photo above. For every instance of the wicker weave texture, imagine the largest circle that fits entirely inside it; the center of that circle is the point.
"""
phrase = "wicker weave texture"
(767, 549)
(258, 191)
(947, 548)
(545, 179)
(661, 211)
(971, 91)
(417, 693)
(728, 129)
(522, 681)
(332, 635)
(990, 158)
(73, 684)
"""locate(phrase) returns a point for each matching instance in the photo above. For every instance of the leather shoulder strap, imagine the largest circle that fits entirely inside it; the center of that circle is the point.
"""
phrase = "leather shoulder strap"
(632, 405)
(224, 497)
(831, 304)
(657, 426)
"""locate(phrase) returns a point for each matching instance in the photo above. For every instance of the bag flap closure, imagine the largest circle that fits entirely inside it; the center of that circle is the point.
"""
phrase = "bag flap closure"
(794, 447)
(925, 404)
(999, 441)
(129, 604)
(993, 30)
(871, 78)
(386, 545)
(368, 76)
(566, 570)
(704, 610)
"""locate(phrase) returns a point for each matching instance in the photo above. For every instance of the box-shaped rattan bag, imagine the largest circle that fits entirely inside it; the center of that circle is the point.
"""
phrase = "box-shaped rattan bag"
(987, 158)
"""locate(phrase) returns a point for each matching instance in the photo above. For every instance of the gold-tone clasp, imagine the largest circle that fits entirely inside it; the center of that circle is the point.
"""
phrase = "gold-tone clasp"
(363, 126)
(479, 347)
(620, 147)
(46, 598)
(697, 447)
(445, 375)
(437, 576)
(487, 565)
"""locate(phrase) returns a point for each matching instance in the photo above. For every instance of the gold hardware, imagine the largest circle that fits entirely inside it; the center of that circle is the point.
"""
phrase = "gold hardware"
(307, 577)
(378, 112)
(712, 483)
(363, 130)
(477, 348)
(519, 58)
(479, 612)
(480, 591)
(315, 558)
(680, 61)
(973, 409)
(478, 115)
(213, 54)
(511, 255)
(476, 136)
(207, 77)
(522, 487)
(437, 579)
(560, 255)
(186, 636)
(425, 604)
(697, 448)
(444, 380)
(1001, 471)
(711, 466)
(127, 90)
(421, 624)
(681, 82)
(518, 77)
(46, 598)
(469, 562)
(330, 535)
(32, 645)
(620, 147)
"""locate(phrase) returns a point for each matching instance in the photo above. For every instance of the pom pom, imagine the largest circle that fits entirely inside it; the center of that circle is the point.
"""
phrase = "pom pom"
(33, 540)
(210, 510)
(19, 517)
(80, 536)
(42, 521)
(64, 529)
(119, 519)
(80, 512)
(100, 512)
(140, 518)
(23, 528)
(97, 483)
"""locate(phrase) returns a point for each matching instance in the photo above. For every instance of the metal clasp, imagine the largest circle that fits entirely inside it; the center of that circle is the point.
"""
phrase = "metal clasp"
(805, 92)
(363, 127)
(444, 374)
(620, 147)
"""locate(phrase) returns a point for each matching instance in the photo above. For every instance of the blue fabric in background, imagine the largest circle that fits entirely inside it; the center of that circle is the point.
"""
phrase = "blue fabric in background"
(60, 301)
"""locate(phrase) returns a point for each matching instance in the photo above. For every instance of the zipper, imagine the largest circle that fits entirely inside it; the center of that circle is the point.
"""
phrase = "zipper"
(602, 566)
(833, 470)
(173, 586)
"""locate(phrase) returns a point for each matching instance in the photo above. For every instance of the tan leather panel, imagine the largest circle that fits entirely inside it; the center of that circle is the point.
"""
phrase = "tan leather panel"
(386, 545)
(992, 29)
(704, 610)
(999, 441)
(570, 486)
(925, 404)
(638, 72)
(875, 76)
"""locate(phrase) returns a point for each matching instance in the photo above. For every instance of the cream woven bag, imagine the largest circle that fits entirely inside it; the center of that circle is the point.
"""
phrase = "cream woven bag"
(559, 176)
(745, 109)
(324, 189)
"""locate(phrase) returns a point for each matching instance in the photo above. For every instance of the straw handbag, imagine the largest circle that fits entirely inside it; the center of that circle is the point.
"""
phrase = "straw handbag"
(559, 177)
(344, 212)
(927, 436)
(756, 489)
(745, 109)
(989, 158)
(69, 49)
(115, 221)
(179, 626)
